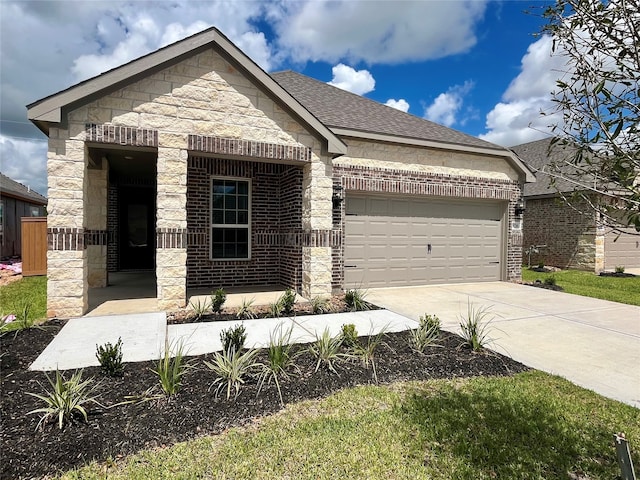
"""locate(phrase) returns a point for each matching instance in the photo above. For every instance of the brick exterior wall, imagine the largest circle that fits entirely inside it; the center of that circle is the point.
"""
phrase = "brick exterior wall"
(569, 236)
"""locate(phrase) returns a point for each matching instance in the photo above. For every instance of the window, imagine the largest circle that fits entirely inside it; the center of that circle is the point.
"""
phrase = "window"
(230, 219)
(34, 211)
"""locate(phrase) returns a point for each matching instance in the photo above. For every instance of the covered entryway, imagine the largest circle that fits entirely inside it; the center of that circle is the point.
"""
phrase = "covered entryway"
(622, 249)
(400, 241)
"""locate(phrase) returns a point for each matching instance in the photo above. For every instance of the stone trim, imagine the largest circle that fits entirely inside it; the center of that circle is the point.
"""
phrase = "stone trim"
(371, 179)
(66, 239)
(130, 136)
(248, 148)
(171, 238)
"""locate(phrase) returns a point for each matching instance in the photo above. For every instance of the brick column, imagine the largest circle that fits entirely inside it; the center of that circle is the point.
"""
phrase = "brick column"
(317, 214)
(171, 221)
(66, 256)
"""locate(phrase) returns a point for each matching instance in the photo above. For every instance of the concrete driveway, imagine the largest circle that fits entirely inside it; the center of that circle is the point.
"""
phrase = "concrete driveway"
(593, 343)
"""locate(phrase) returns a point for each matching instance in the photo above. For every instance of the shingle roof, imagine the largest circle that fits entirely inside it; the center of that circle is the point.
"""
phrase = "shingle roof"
(15, 189)
(338, 108)
(540, 160)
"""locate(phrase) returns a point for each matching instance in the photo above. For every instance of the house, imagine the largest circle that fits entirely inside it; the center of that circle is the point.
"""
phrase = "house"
(572, 235)
(195, 164)
(16, 201)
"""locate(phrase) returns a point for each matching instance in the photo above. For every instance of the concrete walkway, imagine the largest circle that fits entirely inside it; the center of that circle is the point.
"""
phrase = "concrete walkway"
(593, 343)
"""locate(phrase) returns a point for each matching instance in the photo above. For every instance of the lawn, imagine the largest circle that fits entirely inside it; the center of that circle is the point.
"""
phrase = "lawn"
(528, 426)
(616, 289)
(27, 299)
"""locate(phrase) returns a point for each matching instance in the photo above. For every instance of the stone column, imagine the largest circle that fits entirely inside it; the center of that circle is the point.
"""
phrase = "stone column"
(171, 221)
(66, 256)
(317, 221)
(96, 222)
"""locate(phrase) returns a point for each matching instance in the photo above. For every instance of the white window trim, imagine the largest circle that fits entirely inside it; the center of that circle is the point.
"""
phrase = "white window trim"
(215, 225)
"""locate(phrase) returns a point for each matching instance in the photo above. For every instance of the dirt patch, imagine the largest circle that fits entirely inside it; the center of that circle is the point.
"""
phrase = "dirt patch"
(195, 410)
(8, 276)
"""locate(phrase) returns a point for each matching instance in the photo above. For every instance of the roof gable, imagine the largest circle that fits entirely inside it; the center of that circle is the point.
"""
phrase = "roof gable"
(51, 109)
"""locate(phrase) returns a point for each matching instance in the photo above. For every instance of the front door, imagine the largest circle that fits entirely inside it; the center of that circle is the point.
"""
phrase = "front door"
(137, 228)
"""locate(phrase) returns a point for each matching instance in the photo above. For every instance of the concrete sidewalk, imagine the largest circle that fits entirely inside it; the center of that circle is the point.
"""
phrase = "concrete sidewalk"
(593, 343)
(143, 335)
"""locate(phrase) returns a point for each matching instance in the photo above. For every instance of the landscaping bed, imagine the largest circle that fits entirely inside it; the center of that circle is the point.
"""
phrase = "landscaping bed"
(195, 410)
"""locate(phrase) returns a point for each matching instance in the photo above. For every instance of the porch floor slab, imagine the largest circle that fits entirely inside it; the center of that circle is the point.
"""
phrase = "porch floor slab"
(143, 337)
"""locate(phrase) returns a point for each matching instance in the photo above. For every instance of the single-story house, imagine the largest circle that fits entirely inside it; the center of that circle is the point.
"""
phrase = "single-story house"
(16, 201)
(568, 235)
(196, 164)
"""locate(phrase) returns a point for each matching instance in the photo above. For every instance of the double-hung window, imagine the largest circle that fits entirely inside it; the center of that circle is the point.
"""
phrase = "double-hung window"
(230, 218)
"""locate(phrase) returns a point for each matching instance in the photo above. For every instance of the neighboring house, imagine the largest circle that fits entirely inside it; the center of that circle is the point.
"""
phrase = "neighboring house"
(196, 164)
(16, 201)
(571, 234)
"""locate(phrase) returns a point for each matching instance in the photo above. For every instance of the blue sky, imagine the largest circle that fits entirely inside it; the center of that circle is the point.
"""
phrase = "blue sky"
(472, 65)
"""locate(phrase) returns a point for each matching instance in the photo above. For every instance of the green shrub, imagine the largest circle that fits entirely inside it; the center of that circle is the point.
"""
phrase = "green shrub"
(200, 308)
(233, 338)
(280, 358)
(367, 350)
(288, 301)
(355, 300)
(231, 367)
(550, 281)
(275, 309)
(426, 334)
(65, 399)
(326, 349)
(245, 310)
(171, 368)
(619, 269)
(474, 327)
(349, 335)
(541, 265)
(320, 305)
(110, 358)
(23, 317)
(217, 300)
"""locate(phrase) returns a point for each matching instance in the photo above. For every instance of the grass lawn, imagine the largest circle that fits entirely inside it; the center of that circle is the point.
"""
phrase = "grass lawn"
(616, 289)
(529, 426)
(29, 295)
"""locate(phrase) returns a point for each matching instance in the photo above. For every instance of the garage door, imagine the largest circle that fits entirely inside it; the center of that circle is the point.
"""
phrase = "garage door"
(622, 250)
(398, 241)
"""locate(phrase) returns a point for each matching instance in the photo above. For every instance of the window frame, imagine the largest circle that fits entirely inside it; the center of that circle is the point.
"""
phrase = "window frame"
(212, 225)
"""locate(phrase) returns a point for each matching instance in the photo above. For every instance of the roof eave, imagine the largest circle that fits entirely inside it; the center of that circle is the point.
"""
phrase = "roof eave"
(49, 110)
(513, 159)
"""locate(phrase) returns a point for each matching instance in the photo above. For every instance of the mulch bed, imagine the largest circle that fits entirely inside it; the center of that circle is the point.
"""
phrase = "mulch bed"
(617, 274)
(547, 286)
(194, 411)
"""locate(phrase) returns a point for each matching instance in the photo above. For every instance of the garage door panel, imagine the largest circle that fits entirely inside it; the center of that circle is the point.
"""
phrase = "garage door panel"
(622, 250)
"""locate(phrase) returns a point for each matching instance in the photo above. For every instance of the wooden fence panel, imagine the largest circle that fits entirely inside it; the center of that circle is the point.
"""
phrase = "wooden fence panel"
(34, 246)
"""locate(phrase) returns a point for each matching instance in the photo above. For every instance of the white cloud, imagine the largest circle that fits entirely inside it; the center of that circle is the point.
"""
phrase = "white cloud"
(355, 81)
(447, 105)
(25, 161)
(518, 119)
(256, 47)
(375, 32)
(401, 104)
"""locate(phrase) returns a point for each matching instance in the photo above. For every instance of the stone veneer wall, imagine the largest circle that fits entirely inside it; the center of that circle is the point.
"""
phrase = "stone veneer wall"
(276, 212)
(569, 236)
(405, 182)
(203, 95)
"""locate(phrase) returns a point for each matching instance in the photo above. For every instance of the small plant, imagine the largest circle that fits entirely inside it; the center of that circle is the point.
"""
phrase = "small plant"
(275, 309)
(355, 300)
(231, 367)
(320, 305)
(349, 336)
(110, 358)
(217, 300)
(426, 334)
(280, 358)
(474, 327)
(287, 300)
(326, 349)
(541, 265)
(619, 269)
(65, 399)
(550, 281)
(245, 310)
(171, 368)
(367, 351)
(200, 308)
(233, 338)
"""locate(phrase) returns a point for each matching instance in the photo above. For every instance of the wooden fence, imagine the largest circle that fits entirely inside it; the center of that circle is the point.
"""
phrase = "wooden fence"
(34, 246)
